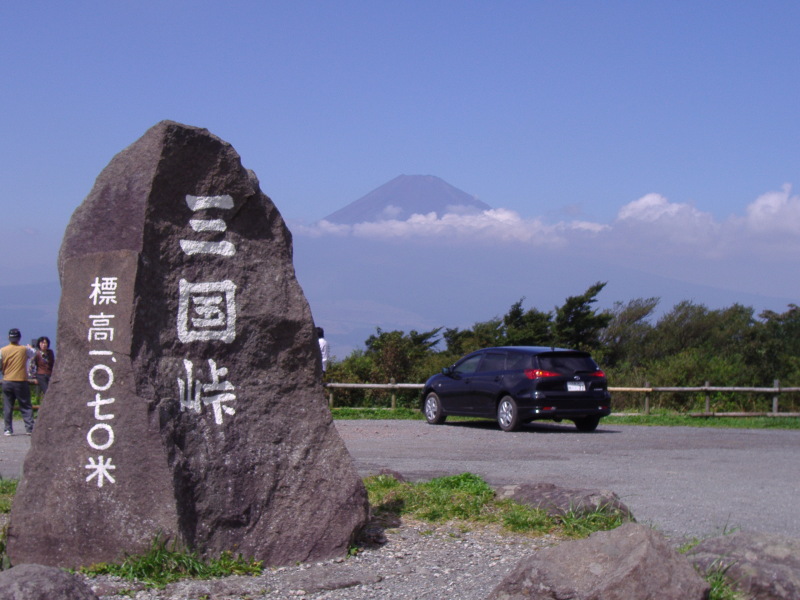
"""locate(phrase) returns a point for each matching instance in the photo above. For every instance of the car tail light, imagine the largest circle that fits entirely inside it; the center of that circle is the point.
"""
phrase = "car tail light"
(597, 373)
(539, 374)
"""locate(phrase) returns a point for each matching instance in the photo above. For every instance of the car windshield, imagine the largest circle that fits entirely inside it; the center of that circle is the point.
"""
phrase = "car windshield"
(567, 363)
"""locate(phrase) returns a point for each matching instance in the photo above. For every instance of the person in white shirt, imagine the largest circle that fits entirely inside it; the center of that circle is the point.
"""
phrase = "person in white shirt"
(323, 348)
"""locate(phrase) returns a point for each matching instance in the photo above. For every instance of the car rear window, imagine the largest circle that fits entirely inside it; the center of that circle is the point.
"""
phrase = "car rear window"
(567, 363)
(517, 361)
(494, 361)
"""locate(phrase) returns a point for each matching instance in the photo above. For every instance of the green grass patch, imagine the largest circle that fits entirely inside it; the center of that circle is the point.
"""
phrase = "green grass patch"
(721, 586)
(518, 518)
(677, 420)
(469, 499)
(162, 565)
(397, 414)
(582, 524)
(8, 487)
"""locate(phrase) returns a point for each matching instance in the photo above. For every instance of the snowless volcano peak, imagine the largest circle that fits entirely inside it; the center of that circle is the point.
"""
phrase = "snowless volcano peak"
(404, 196)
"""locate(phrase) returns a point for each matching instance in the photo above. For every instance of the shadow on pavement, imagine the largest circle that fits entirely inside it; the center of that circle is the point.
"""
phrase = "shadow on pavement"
(535, 427)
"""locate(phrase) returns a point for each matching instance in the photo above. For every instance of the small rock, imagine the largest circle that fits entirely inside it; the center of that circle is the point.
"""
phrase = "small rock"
(764, 566)
(38, 582)
(629, 562)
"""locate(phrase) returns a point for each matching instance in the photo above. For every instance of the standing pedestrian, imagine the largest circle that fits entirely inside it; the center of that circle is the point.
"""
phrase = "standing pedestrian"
(43, 363)
(13, 363)
(323, 348)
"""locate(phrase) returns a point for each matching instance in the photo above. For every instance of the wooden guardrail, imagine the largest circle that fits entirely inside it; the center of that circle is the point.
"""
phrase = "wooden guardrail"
(708, 389)
(376, 386)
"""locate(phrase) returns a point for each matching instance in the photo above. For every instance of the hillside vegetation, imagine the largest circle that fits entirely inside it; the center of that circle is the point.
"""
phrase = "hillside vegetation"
(686, 346)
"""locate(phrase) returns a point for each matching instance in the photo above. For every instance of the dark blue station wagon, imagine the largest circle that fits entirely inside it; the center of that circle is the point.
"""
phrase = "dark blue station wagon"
(519, 384)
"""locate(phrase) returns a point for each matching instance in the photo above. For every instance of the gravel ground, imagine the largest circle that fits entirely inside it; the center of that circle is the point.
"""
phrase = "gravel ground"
(418, 561)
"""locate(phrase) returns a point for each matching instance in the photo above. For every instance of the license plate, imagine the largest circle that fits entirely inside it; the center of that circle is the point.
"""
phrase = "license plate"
(576, 386)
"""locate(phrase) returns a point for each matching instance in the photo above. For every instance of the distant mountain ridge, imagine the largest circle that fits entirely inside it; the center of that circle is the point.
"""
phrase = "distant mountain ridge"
(404, 196)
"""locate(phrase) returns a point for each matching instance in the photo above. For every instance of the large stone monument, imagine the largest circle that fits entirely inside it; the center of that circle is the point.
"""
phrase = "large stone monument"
(187, 401)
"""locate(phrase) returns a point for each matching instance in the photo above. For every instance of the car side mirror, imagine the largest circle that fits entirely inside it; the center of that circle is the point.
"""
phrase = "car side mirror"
(447, 371)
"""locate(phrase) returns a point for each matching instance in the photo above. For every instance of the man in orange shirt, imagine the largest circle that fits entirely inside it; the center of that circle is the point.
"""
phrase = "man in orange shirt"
(14, 362)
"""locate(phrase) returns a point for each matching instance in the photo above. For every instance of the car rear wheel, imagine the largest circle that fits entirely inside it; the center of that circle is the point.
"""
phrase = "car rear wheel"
(433, 410)
(508, 414)
(587, 424)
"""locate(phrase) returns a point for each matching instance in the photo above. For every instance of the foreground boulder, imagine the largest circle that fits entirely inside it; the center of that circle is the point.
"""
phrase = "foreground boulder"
(631, 562)
(763, 566)
(187, 401)
(38, 582)
(558, 501)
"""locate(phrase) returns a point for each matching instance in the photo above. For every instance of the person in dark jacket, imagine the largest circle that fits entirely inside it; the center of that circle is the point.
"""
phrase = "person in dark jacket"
(43, 362)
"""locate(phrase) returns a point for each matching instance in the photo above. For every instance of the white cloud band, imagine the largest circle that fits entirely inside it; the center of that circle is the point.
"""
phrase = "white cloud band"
(649, 225)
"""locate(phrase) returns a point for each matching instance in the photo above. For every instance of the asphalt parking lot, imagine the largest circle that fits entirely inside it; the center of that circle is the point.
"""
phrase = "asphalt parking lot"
(12, 452)
(684, 481)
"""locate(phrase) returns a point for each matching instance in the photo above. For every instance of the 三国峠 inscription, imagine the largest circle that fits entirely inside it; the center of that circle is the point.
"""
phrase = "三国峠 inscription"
(207, 311)
(222, 248)
(195, 394)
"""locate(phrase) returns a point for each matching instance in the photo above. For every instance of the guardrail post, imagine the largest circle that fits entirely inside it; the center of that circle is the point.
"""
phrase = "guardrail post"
(776, 384)
(708, 399)
(330, 399)
(394, 393)
(647, 399)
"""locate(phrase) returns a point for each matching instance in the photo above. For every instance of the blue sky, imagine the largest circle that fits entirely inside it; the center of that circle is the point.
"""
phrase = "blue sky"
(658, 138)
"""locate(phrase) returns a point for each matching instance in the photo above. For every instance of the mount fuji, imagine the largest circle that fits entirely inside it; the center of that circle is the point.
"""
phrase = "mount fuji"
(404, 196)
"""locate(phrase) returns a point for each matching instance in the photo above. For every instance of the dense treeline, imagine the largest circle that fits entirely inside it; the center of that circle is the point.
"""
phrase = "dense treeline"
(686, 346)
